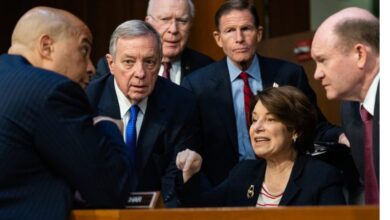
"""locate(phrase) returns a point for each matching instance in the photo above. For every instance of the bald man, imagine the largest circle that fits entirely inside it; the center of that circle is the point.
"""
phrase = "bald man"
(49, 146)
(346, 51)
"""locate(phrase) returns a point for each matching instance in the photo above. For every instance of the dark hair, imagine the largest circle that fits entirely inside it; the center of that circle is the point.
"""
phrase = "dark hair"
(240, 5)
(353, 31)
(294, 109)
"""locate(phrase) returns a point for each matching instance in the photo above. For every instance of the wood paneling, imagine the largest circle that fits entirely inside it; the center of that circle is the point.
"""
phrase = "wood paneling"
(280, 213)
(203, 26)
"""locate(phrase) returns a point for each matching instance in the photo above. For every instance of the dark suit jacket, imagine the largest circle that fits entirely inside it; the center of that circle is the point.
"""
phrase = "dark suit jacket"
(211, 85)
(166, 129)
(353, 125)
(49, 147)
(190, 61)
(312, 182)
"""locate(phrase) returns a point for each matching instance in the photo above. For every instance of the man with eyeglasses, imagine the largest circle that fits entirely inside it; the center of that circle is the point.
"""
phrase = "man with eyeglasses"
(173, 20)
(224, 90)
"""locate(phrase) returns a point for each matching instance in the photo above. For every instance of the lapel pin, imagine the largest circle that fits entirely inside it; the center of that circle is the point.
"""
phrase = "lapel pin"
(251, 192)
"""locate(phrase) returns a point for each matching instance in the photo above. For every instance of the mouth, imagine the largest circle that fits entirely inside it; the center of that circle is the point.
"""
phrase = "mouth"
(261, 139)
(241, 50)
(171, 42)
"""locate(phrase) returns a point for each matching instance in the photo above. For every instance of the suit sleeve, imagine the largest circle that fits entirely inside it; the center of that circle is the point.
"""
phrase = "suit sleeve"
(66, 139)
(184, 136)
(332, 190)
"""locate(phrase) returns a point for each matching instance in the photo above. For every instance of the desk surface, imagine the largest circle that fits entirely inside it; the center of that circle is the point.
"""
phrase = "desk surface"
(290, 213)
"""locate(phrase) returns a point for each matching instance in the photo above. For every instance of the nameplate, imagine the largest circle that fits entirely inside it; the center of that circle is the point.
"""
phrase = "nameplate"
(144, 200)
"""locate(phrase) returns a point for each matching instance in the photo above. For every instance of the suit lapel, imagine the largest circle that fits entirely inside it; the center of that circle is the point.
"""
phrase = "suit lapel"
(258, 180)
(222, 92)
(267, 78)
(186, 66)
(152, 123)
(293, 187)
(108, 104)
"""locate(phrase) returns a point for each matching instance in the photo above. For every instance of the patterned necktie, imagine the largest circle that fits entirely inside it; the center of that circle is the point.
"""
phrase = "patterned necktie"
(131, 131)
(247, 96)
(167, 67)
(371, 189)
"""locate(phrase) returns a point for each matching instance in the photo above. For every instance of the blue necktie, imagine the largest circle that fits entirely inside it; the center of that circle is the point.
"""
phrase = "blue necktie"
(131, 131)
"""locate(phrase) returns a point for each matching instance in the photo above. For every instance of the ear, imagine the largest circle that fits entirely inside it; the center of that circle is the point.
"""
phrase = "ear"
(110, 62)
(294, 136)
(45, 47)
(217, 37)
(147, 19)
(259, 33)
(361, 55)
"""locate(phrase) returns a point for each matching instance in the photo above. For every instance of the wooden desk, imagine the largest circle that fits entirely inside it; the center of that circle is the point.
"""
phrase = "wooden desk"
(290, 213)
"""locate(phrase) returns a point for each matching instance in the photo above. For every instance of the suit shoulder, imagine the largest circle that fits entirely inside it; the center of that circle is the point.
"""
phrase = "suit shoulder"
(314, 165)
(173, 90)
(96, 86)
(205, 72)
(276, 61)
(198, 56)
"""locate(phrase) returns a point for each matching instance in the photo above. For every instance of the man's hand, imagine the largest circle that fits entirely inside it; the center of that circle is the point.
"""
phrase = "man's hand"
(118, 123)
(189, 162)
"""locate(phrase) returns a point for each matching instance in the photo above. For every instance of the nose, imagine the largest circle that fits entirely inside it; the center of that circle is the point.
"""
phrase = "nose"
(239, 36)
(172, 28)
(257, 126)
(318, 73)
(90, 70)
(139, 70)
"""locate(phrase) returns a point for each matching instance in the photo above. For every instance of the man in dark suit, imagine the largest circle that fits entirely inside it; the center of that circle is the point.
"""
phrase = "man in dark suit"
(162, 127)
(173, 20)
(346, 50)
(224, 97)
(49, 146)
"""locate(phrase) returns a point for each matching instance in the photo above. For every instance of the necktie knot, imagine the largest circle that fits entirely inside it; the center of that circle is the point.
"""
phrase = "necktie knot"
(167, 67)
(134, 111)
(366, 116)
(244, 76)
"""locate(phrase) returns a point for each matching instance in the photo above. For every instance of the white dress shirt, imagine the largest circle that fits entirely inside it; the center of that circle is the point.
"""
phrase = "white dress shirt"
(124, 107)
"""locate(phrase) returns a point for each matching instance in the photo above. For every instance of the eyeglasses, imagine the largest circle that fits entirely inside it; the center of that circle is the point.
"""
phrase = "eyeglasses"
(167, 21)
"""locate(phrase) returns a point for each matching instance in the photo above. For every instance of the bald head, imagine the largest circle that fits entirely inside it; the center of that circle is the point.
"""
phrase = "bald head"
(56, 40)
(346, 51)
(40, 21)
(352, 25)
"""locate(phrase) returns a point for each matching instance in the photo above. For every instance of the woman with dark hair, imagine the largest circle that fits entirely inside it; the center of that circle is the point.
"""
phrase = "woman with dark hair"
(282, 131)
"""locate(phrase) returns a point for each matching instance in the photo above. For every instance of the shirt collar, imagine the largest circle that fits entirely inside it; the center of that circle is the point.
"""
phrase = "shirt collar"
(125, 104)
(253, 70)
(369, 100)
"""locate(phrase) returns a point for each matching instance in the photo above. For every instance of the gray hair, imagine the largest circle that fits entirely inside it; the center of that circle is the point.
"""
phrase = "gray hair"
(133, 28)
(189, 2)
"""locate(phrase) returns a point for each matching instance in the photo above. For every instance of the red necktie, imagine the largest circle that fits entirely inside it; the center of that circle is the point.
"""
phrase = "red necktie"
(247, 96)
(371, 189)
(167, 68)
